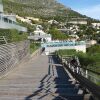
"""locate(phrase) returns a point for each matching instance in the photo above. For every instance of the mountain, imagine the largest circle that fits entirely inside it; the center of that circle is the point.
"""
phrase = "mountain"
(38, 8)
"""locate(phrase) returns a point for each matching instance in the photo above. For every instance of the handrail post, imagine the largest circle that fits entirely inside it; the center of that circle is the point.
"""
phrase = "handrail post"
(69, 65)
(86, 73)
(77, 69)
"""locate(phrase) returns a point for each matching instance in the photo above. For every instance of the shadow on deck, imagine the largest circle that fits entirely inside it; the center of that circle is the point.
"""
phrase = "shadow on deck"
(56, 85)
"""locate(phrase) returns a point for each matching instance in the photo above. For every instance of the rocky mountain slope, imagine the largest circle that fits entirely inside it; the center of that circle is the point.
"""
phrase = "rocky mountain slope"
(38, 8)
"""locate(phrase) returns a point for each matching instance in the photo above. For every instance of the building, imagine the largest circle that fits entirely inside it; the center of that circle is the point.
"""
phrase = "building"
(39, 31)
(22, 19)
(53, 22)
(96, 25)
(34, 19)
(39, 34)
(53, 46)
(8, 21)
(82, 21)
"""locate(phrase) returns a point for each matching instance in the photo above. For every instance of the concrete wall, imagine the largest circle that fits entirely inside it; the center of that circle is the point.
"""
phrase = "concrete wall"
(7, 25)
(77, 48)
(78, 22)
(11, 55)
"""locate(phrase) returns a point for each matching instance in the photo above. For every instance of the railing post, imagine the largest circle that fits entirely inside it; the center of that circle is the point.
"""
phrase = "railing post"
(86, 73)
(69, 65)
(73, 69)
(77, 69)
(66, 62)
(81, 71)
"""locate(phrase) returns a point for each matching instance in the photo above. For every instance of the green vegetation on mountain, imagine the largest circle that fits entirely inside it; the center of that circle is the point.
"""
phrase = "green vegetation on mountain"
(56, 34)
(30, 28)
(39, 8)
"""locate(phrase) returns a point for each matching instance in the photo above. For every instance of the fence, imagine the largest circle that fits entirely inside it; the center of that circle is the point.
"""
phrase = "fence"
(84, 77)
(11, 54)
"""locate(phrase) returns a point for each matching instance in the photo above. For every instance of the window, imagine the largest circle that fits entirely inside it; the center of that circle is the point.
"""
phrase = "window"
(5, 19)
(10, 21)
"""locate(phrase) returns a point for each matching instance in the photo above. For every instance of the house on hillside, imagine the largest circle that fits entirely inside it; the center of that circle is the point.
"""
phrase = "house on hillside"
(82, 21)
(32, 18)
(96, 25)
(8, 21)
(53, 22)
(40, 35)
(22, 19)
(39, 31)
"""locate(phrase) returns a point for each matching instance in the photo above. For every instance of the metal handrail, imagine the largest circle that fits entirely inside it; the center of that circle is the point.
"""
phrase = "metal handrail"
(77, 59)
(84, 81)
(84, 74)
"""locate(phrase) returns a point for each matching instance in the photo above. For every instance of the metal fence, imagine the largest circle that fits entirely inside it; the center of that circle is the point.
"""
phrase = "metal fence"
(11, 54)
(85, 77)
(90, 75)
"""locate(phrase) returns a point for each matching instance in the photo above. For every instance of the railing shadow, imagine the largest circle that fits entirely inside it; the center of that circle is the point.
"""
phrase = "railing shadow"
(56, 84)
(44, 81)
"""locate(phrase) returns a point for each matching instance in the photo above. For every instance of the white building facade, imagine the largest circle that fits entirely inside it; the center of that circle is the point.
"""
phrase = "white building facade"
(9, 21)
(39, 34)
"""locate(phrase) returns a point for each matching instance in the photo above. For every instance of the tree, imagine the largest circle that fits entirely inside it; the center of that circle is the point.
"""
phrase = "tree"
(56, 34)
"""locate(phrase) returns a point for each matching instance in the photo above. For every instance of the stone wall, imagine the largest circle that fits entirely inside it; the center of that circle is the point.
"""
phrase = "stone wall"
(11, 55)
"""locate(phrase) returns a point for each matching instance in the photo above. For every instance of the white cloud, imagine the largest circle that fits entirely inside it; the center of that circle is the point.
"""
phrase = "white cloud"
(93, 11)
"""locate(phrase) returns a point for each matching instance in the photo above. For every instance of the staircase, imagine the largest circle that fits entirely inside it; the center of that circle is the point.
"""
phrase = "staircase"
(56, 85)
(40, 78)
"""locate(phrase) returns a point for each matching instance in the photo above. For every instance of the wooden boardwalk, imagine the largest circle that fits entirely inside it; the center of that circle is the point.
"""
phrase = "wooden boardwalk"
(24, 80)
(40, 78)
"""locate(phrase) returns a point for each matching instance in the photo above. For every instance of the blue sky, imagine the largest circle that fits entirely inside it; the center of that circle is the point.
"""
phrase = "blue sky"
(90, 8)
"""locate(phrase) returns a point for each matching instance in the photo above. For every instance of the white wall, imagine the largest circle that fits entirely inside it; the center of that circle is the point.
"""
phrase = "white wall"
(77, 48)
(11, 17)
(5, 25)
(81, 48)
(78, 22)
(49, 39)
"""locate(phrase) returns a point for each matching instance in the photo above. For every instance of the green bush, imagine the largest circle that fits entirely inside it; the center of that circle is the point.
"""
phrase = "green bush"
(13, 35)
(89, 60)
(66, 52)
(34, 46)
(94, 49)
(56, 34)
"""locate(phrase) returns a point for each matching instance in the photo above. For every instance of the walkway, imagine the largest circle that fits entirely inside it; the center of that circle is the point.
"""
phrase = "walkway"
(38, 79)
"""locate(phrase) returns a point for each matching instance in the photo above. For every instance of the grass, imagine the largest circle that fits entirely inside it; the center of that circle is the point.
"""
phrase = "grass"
(87, 60)
(34, 47)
